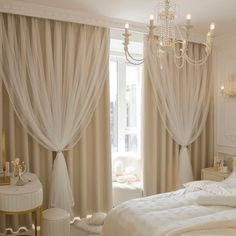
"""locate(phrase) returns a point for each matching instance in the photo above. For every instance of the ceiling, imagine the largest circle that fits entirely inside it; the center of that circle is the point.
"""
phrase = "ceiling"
(203, 12)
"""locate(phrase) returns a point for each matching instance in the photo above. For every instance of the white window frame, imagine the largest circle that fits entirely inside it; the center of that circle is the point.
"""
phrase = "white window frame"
(121, 105)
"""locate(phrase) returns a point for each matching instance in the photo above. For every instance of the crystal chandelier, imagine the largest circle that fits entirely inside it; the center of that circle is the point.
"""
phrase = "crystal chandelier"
(170, 37)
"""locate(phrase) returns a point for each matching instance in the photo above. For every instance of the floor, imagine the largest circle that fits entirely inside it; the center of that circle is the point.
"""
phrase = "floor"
(74, 232)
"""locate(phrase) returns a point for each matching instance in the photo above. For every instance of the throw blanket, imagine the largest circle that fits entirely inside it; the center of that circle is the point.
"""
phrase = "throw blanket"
(170, 214)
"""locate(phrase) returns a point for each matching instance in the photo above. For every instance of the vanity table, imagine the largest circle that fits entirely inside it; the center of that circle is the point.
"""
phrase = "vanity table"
(25, 199)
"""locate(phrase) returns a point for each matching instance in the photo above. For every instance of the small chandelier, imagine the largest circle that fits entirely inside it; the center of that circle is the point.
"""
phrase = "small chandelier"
(170, 38)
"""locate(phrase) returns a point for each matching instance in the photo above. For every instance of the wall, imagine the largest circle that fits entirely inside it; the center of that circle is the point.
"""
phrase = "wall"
(225, 107)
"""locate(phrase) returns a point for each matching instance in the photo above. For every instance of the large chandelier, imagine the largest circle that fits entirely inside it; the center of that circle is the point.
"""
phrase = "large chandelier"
(169, 37)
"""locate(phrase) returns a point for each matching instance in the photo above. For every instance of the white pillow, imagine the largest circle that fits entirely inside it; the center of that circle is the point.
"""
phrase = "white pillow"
(217, 200)
(194, 186)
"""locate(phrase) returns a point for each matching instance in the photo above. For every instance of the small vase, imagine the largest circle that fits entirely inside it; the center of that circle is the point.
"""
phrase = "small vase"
(16, 171)
(20, 181)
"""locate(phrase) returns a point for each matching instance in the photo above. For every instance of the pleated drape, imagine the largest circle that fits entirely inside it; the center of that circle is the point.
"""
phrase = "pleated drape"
(161, 153)
(54, 73)
(182, 97)
(89, 163)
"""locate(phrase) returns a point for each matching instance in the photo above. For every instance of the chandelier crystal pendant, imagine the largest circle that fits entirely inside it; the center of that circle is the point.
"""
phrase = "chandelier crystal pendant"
(170, 38)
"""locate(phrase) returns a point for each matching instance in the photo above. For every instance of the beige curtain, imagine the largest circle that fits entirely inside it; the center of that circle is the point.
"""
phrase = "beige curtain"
(183, 98)
(161, 153)
(54, 73)
(89, 163)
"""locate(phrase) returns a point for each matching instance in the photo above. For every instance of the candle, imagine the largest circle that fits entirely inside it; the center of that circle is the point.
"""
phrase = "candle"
(151, 20)
(188, 19)
(222, 88)
(208, 41)
(3, 150)
(126, 28)
(212, 28)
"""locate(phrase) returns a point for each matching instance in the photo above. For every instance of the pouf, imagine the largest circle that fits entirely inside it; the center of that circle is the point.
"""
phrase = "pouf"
(56, 222)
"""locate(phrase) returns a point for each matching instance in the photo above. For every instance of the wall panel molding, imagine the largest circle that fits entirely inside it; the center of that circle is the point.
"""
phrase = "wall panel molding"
(225, 107)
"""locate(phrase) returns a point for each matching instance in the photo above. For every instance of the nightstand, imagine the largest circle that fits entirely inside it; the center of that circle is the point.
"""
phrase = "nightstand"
(211, 174)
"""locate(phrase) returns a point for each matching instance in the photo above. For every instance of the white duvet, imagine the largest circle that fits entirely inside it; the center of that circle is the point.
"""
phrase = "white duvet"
(170, 214)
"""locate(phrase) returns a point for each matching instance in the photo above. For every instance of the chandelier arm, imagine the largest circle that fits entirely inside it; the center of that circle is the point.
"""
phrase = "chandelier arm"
(197, 63)
(200, 61)
(183, 51)
(132, 62)
(138, 60)
(177, 64)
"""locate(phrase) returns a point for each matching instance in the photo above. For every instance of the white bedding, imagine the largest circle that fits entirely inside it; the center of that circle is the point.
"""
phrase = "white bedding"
(170, 214)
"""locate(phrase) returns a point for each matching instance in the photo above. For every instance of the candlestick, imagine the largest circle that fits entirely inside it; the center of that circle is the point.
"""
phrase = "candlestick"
(126, 28)
(3, 151)
(222, 88)
(151, 20)
(212, 29)
(208, 40)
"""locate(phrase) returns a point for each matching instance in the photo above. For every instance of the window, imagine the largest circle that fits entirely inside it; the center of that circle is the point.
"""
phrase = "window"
(125, 95)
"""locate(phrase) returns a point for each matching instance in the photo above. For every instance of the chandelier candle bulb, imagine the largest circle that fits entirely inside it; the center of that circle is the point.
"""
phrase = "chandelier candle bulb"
(222, 88)
(212, 27)
(126, 28)
(188, 18)
(208, 41)
(151, 20)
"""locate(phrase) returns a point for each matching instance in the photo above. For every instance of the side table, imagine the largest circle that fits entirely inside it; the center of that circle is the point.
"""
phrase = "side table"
(25, 199)
(211, 174)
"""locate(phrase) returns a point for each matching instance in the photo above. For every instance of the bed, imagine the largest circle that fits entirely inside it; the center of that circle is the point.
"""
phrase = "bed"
(201, 208)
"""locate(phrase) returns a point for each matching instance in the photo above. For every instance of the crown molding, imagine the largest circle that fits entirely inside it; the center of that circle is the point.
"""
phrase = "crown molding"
(41, 11)
(35, 10)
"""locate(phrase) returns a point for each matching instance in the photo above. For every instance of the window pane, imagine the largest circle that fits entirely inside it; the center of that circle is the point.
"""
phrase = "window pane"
(131, 143)
(132, 87)
(113, 105)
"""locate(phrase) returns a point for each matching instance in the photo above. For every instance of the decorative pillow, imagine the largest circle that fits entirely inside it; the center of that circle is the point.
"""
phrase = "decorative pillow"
(194, 186)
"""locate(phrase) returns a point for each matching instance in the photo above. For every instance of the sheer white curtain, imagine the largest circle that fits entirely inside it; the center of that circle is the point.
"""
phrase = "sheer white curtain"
(54, 73)
(182, 97)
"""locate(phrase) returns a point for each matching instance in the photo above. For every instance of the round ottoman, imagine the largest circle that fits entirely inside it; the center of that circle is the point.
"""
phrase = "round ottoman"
(56, 222)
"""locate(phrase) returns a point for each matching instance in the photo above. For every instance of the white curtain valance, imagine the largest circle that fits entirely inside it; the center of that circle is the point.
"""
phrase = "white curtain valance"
(182, 97)
(54, 73)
